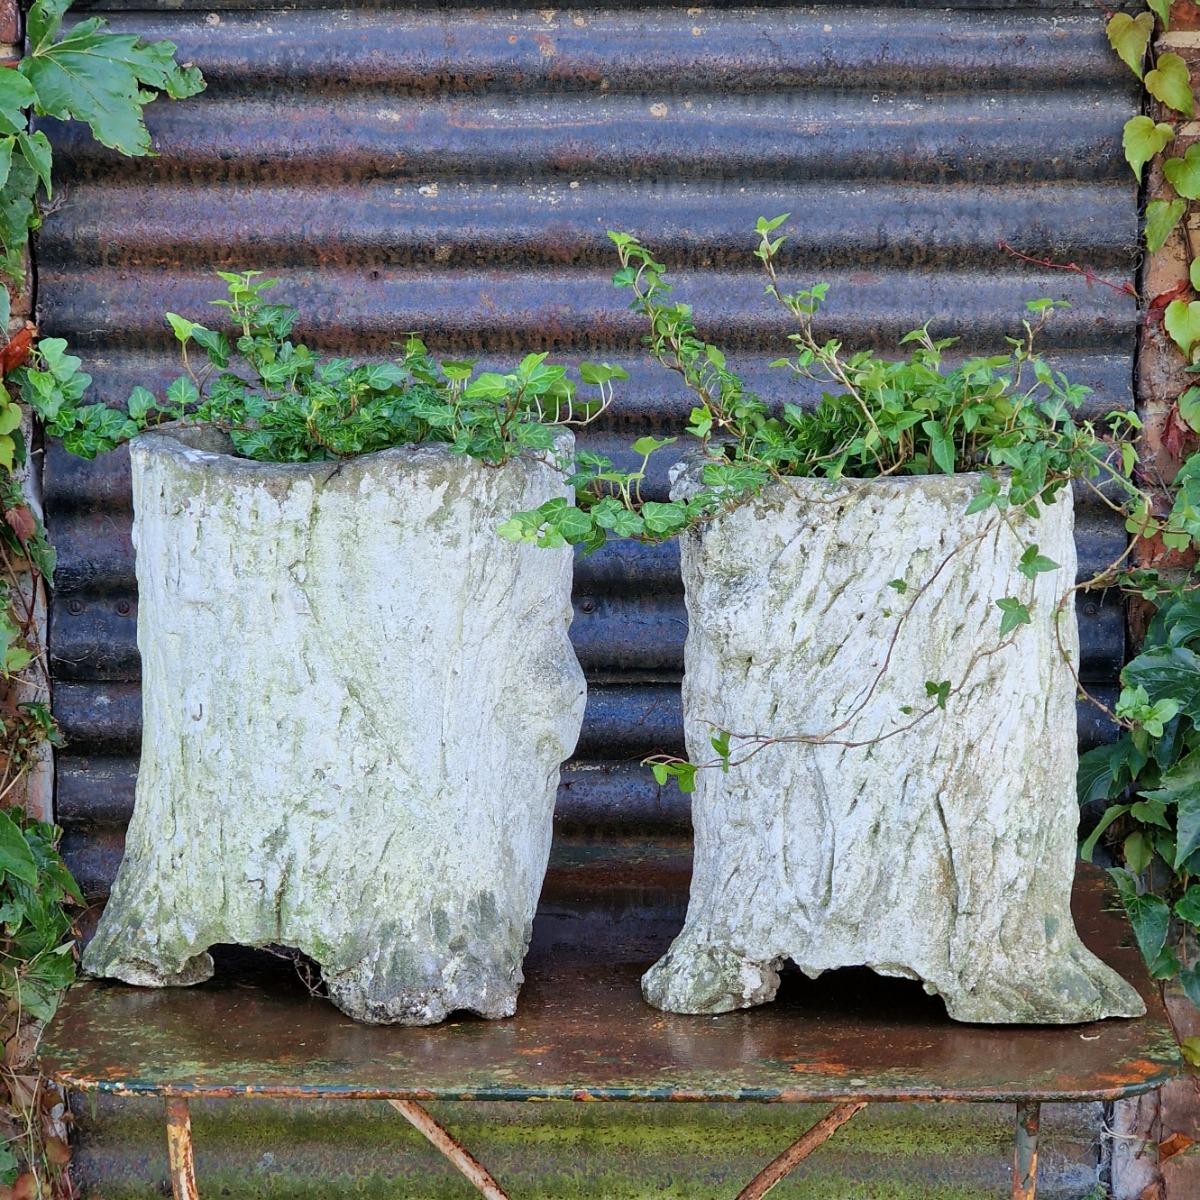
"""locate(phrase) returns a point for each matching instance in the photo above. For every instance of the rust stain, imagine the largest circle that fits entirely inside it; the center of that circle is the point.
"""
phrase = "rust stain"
(583, 1033)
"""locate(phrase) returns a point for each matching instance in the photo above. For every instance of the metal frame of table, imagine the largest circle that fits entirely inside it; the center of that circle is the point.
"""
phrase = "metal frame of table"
(582, 1032)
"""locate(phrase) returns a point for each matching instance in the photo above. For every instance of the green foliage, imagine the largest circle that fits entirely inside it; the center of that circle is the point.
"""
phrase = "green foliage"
(1152, 775)
(1161, 218)
(104, 79)
(279, 402)
(1008, 415)
(88, 74)
(1191, 1050)
(1183, 174)
(1143, 139)
(1170, 83)
(1182, 321)
(37, 958)
(1130, 38)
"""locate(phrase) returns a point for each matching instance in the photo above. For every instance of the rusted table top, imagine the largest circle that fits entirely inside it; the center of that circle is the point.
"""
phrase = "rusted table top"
(583, 1032)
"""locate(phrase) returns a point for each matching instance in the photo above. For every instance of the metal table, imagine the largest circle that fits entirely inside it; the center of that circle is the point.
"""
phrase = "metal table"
(848, 1039)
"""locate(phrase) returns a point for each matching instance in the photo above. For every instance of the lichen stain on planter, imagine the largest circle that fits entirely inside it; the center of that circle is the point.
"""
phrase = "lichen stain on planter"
(356, 698)
(944, 853)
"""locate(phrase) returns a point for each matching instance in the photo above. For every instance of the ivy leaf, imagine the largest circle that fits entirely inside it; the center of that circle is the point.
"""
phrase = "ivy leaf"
(6, 153)
(1150, 812)
(182, 393)
(1130, 38)
(1162, 9)
(684, 774)
(380, 377)
(1137, 852)
(941, 446)
(1168, 672)
(1182, 321)
(1183, 174)
(1100, 771)
(39, 155)
(1032, 563)
(1015, 612)
(141, 402)
(16, 95)
(180, 326)
(1087, 848)
(43, 22)
(646, 446)
(1143, 139)
(1148, 914)
(1161, 217)
(1187, 907)
(1189, 409)
(101, 78)
(1170, 82)
(663, 519)
(1187, 827)
(16, 858)
(938, 691)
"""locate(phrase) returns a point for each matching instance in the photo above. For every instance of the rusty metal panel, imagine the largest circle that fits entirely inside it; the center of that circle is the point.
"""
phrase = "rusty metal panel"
(583, 1033)
(454, 171)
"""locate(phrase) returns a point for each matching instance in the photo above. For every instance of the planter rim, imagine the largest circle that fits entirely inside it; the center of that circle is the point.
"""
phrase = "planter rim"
(206, 446)
(686, 478)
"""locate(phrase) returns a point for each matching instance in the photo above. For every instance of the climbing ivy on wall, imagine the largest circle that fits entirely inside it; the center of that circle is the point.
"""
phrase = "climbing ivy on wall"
(83, 72)
(1151, 774)
(88, 73)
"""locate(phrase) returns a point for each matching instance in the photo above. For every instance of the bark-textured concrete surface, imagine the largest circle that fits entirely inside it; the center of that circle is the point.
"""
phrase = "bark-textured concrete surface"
(356, 700)
(940, 848)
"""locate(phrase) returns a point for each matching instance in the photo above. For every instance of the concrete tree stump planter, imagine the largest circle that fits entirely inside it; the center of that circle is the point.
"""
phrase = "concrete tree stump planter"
(945, 853)
(356, 700)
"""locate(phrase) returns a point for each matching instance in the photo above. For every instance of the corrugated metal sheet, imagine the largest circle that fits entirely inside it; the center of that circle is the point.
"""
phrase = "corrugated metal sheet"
(453, 171)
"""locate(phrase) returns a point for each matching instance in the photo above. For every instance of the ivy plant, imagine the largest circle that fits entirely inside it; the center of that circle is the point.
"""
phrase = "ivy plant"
(1151, 778)
(1167, 82)
(105, 79)
(1009, 419)
(1009, 415)
(85, 73)
(280, 402)
(36, 930)
(1151, 821)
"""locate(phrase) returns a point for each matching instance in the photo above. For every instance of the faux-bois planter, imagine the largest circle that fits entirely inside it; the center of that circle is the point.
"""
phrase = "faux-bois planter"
(941, 850)
(356, 699)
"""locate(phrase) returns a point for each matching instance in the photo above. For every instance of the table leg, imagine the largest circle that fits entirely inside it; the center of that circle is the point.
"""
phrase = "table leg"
(1025, 1153)
(799, 1150)
(442, 1140)
(179, 1150)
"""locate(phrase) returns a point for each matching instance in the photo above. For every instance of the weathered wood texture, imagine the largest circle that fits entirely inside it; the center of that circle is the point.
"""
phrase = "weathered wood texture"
(356, 700)
(944, 852)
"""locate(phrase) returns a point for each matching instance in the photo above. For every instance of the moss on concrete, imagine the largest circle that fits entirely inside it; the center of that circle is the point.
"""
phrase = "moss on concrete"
(263, 1151)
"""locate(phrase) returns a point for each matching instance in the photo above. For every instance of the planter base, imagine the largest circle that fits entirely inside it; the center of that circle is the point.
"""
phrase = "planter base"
(697, 978)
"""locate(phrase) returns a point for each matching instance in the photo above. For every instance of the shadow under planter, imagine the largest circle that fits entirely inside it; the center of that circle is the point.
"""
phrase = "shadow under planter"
(356, 700)
(924, 831)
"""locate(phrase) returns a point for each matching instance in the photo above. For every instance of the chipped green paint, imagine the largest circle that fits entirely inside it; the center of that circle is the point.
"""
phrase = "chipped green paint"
(582, 1032)
(618, 1152)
